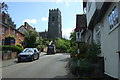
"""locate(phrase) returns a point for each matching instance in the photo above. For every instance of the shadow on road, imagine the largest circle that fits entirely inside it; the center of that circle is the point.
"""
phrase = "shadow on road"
(65, 60)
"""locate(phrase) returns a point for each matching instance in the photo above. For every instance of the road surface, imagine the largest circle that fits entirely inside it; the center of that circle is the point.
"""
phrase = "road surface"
(48, 66)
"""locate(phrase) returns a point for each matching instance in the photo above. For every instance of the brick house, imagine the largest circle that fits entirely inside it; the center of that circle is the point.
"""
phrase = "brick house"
(25, 27)
(9, 28)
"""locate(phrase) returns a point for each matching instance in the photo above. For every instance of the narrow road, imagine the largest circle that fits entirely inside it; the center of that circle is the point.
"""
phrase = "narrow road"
(48, 66)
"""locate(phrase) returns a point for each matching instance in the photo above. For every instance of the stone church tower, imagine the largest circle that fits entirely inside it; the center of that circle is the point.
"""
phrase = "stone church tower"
(54, 24)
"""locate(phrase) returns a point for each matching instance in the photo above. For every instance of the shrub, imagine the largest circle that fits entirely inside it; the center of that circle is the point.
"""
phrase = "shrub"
(19, 45)
(85, 67)
(93, 52)
(74, 68)
(12, 48)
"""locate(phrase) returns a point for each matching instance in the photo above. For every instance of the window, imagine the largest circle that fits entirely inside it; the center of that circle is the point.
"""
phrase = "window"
(113, 18)
(12, 42)
(21, 30)
(3, 30)
(98, 34)
(53, 18)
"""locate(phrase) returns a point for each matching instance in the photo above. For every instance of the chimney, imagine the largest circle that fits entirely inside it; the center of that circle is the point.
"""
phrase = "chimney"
(25, 23)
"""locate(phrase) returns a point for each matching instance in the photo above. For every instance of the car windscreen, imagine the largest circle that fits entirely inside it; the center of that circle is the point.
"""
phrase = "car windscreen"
(28, 50)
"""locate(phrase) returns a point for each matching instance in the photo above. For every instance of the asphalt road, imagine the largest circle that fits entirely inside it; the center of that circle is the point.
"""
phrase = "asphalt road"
(48, 66)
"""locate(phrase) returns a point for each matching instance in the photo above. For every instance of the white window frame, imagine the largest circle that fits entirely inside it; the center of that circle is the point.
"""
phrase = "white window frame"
(113, 18)
(98, 34)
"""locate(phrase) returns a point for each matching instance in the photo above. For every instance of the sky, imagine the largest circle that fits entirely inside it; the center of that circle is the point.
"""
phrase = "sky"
(36, 14)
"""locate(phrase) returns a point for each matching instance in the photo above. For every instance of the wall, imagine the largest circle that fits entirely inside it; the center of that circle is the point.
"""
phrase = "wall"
(19, 37)
(109, 46)
(119, 37)
(90, 11)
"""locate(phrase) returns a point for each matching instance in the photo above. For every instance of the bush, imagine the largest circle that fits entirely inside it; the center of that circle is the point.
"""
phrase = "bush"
(62, 45)
(93, 52)
(74, 68)
(85, 67)
(19, 45)
(12, 48)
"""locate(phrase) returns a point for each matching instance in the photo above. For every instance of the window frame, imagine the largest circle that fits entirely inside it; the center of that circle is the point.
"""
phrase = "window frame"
(98, 34)
(113, 18)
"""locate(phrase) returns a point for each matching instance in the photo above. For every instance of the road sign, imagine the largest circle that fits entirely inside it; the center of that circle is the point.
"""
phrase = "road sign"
(78, 36)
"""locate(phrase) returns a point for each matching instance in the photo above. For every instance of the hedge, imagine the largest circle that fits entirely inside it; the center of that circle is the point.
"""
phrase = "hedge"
(12, 48)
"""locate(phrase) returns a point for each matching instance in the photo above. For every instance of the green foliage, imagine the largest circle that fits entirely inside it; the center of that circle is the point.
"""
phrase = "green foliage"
(30, 39)
(73, 44)
(4, 7)
(9, 36)
(85, 67)
(92, 52)
(19, 45)
(12, 48)
(45, 42)
(62, 45)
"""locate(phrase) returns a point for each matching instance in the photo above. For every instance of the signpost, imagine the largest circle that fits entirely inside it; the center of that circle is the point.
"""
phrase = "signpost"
(78, 40)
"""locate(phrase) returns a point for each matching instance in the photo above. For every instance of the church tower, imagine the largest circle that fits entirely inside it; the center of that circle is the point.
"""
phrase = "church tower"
(54, 24)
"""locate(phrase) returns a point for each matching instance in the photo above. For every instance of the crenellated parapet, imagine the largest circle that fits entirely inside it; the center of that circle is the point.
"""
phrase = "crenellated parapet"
(54, 10)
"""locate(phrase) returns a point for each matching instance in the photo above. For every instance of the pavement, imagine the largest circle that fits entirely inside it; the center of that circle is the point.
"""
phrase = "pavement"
(6, 63)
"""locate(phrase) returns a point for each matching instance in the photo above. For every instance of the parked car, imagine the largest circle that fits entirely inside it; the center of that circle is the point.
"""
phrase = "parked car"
(28, 54)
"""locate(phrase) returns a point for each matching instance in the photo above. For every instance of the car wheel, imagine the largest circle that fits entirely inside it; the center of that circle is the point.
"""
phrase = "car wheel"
(38, 56)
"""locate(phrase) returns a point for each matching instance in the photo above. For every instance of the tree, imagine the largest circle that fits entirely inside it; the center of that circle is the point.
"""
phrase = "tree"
(30, 38)
(73, 44)
(4, 7)
(62, 45)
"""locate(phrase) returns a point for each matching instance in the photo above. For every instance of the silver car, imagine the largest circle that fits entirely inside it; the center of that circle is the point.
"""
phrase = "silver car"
(28, 54)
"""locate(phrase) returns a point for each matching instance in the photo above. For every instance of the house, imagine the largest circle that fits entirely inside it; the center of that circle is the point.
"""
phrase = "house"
(8, 28)
(103, 22)
(26, 27)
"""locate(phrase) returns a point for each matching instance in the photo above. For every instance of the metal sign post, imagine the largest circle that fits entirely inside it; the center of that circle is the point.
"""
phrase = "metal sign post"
(78, 40)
